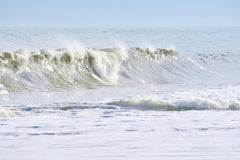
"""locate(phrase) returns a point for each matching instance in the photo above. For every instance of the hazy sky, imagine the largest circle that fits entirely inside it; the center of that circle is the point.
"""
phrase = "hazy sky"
(119, 13)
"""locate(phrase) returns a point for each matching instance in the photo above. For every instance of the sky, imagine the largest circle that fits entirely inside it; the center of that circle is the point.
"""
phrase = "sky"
(119, 13)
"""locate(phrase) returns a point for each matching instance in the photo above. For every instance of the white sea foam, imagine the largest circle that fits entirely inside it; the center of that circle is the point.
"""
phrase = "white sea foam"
(10, 112)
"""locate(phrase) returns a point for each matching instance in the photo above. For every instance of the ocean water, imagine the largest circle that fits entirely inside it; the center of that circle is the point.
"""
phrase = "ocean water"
(120, 93)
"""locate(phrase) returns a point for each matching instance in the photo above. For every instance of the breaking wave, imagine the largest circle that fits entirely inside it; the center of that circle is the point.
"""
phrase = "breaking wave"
(63, 68)
(198, 104)
(180, 105)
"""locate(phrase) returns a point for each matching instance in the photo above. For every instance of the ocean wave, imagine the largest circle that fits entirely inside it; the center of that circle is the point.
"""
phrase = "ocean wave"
(64, 68)
(197, 104)
(180, 105)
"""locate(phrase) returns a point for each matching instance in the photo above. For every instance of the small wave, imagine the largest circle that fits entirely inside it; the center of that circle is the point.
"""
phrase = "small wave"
(25, 110)
(123, 105)
(181, 105)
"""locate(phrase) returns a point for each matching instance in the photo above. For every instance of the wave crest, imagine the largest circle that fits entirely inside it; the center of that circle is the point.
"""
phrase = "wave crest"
(181, 105)
(62, 68)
